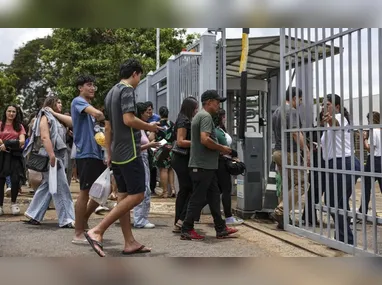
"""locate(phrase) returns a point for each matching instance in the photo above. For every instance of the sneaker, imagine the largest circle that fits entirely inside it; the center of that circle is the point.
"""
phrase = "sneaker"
(1, 211)
(279, 219)
(15, 209)
(226, 232)
(233, 221)
(191, 235)
(101, 209)
(8, 192)
(149, 226)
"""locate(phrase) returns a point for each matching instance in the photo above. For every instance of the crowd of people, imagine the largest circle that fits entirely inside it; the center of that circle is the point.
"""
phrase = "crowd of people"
(333, 149)
(138, 143)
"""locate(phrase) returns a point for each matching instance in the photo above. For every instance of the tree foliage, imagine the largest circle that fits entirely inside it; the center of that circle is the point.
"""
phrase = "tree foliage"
(7, 87)
(100, 52)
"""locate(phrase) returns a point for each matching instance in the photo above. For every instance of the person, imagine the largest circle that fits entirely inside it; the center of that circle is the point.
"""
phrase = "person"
(293, 99)
(377, 143)
(309, 214)
(223, 176)
(69, 144)
(152, 116)
(204, 156)
(181, 157)
(89, 160)
(141, 211)
(162, 156)
(336, 146)
(12, 140)
(153, 170)
(123, 136)
(51, 130)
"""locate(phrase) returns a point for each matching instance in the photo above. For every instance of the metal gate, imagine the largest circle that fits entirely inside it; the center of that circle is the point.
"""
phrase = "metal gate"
(343, 172)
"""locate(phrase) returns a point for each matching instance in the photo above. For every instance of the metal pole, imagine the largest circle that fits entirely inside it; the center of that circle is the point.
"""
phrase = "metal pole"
(224, 62)
(243, 84)
(158, 48)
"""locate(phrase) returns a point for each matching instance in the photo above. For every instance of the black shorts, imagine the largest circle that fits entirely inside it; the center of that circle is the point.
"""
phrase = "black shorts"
(89, 169)
(130, 177)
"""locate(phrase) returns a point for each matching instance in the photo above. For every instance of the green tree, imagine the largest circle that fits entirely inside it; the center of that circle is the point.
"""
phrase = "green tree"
(100, 52)
(7, 88)
(27, 65)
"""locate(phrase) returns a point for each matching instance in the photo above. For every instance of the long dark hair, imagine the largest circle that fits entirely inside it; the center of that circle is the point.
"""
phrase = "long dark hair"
(188, 107)
(338, 101)
(141, 109)
(218, 119)
(16, 121)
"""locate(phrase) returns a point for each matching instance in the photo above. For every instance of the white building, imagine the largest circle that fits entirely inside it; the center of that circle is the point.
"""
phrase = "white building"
(355, 113)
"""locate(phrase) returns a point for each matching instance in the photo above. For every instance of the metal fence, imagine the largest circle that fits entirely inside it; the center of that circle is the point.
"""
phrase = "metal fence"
(184, 81)
(331, 183)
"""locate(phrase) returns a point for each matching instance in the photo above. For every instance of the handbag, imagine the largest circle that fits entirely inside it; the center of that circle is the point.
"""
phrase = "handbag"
(179, 150)
(235, 167)
(37, 162)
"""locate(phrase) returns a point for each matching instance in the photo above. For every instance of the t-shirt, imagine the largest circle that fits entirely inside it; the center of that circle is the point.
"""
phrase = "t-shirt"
(154, 118)
(328, 151)
(376, 142)
(9, 132)
(126, 141)
(292, 122)
(182, 122)
(144, 140)
(220, 135)
(83, 130)
(201, 156)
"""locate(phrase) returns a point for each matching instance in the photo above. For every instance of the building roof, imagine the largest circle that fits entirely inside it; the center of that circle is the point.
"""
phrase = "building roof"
(264, 55)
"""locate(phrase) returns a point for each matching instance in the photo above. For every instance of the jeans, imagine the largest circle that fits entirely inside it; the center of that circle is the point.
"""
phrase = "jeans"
(62, 199)
(180, 165)
(8, 181)
(377, 169)
(141, 211)
(205, 187)
(312, 213)
(343, 202)
(225, 186)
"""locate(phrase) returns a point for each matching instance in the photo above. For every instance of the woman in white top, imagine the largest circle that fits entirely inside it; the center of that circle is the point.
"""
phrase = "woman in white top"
(377, 143)
(336, 147)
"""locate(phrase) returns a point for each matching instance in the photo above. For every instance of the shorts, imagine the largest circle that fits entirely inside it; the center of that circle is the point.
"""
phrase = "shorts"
(130, 177)
(89, 169)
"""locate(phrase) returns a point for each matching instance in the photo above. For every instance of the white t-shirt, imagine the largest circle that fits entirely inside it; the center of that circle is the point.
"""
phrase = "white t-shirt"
(376, 142)
(228, 138)
(327, 141)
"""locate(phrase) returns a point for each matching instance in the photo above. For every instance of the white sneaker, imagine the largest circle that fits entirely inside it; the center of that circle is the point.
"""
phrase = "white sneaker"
(149, 226)
(1, 211)
(15, 209)
(233, 221)
(8, 192)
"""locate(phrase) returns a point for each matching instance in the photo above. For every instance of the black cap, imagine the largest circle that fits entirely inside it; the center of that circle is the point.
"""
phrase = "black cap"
(212, 95)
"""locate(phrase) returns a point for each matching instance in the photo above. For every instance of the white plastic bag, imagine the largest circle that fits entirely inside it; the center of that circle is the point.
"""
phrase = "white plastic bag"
(100, 189)
(74, 152)
(53, 178)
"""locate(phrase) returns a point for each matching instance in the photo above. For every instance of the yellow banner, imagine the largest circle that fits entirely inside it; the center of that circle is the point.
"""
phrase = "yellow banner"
(244, 53)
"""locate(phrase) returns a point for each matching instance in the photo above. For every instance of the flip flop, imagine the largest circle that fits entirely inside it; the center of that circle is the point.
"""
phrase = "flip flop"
(139, 250)
(92, 242)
